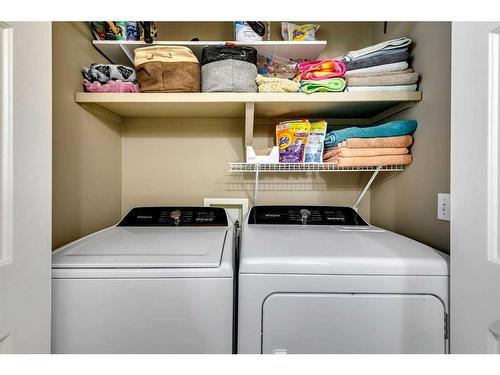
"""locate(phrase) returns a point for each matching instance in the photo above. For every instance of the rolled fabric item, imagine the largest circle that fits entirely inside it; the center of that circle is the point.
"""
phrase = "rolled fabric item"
(275, 84)
(347, 152)
(387, 45)
(110, 86)
(383, 142)
(107, 72)
(389, 129)
(407, 88)
(393, 67)
(321, 69)
(383, 79)
(370, 161)
(324, 85)
(377, 60)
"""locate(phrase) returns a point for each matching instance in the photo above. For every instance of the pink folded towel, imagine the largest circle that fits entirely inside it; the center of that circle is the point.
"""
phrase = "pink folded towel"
(370, 161)
(321, 69)
(353, 152)
(110, 86)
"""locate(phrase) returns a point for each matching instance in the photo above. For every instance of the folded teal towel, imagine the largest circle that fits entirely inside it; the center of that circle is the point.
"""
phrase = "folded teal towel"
(390, 129)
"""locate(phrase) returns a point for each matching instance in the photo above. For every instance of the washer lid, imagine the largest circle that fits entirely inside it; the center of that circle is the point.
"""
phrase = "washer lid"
(145, 247)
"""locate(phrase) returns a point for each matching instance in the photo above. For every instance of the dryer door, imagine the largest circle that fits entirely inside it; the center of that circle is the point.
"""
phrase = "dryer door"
(353, 323)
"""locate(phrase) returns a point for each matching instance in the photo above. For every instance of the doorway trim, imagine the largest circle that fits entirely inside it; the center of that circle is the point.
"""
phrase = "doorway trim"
(6, 143)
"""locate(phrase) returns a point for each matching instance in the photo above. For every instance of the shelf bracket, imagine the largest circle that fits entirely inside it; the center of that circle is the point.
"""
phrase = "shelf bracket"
(127, 53)
(370, 181)
(391, 112)
(256, 187)
(249, 121)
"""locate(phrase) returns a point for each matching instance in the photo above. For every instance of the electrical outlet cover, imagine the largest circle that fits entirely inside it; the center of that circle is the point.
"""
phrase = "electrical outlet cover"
(443, 206)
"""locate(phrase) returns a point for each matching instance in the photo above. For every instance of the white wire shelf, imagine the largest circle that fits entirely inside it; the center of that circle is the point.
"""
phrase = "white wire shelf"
(306, 167)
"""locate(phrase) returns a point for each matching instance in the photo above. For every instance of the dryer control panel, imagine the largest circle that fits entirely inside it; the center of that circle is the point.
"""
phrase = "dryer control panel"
(306, 215)
(175, 216)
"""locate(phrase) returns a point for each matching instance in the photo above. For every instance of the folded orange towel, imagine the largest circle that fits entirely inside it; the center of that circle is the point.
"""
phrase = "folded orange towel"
(370, 161)
(353, 152)
(389, 142)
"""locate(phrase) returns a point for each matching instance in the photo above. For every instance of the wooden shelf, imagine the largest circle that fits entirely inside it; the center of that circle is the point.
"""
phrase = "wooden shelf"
(122, 52)
(369, 106)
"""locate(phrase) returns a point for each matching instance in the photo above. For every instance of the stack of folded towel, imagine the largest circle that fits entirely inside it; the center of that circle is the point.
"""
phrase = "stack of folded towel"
(321, 76)
(385, 144)
(381, 67)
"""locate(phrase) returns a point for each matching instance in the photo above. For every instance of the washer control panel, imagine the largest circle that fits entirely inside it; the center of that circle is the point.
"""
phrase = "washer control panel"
(175, 216)
(305, 215)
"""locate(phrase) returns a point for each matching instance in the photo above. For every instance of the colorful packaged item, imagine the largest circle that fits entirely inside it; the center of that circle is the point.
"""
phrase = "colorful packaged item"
(132, 30)
(297, 33)
(248, 31)
(98, 29)
(291, 138)
(121, 27)
(315, 142)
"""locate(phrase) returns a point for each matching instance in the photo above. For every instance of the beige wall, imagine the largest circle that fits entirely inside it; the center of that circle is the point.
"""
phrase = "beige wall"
(342, 36)
(181, 161)
(407, 203)
(86, 144)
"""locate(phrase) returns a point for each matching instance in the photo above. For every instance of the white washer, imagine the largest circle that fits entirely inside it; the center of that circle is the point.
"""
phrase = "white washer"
(161, 281)
(319, 279)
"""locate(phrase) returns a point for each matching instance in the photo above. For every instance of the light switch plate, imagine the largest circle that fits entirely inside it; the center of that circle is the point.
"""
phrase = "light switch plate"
(443, 206)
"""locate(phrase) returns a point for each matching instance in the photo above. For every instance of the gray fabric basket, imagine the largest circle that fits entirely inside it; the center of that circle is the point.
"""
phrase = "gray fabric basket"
(228, 75)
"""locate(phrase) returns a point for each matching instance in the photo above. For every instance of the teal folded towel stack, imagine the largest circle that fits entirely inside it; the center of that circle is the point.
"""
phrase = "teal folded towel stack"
(389, 129)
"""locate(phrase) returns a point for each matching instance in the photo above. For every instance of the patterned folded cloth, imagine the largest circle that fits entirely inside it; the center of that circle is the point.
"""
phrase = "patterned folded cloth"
(389, 129)
(405, 77)
(347, 152)
(110, 86)
(377, 60)
(324, 85)
(321, 69)
(405, 88)
(108, 72)
(275, 84)
(383, 142)
(370, 161)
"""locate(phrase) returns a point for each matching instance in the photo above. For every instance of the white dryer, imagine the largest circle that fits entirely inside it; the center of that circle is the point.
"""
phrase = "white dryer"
(318, 279)
(161, 281)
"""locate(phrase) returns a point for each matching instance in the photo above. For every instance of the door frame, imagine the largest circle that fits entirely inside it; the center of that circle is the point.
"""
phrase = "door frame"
(6, 141)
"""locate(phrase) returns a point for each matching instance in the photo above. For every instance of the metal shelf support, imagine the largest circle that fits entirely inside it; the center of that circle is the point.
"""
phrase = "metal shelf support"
(370, 181)
(256, 188)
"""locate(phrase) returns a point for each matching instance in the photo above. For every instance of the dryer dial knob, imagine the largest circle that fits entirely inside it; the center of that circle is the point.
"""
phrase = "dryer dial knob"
(304, 215)
(176, 215)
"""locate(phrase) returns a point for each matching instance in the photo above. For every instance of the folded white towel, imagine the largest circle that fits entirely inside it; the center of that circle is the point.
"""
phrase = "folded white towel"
(382, 88)
(394, 67)
(388, 44)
